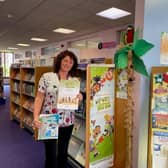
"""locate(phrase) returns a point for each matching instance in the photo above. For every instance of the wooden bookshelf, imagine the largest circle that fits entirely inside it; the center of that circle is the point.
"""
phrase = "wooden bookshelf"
(23, 87)
(1, 82)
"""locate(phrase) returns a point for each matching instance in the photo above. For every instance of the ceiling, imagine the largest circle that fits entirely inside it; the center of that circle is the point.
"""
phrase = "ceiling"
(22, 19)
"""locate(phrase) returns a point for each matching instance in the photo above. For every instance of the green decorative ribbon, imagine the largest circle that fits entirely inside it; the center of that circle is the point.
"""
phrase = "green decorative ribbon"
(138, 48)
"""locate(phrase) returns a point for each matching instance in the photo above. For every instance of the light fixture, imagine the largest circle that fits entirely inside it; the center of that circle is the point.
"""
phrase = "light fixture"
(38, 39)
(113, 13)
(12, 48)
(2, 0)
(10, 16)
(63, 30)
(80, 44)
(23, 45)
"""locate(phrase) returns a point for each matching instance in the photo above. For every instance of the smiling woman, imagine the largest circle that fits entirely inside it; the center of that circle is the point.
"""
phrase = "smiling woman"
(46, 102)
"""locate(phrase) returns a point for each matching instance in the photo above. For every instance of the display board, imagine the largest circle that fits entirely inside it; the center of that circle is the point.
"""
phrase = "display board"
(158, 125)
(100, 115)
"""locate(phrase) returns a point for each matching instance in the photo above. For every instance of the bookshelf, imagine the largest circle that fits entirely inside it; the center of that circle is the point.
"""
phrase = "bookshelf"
(76, 148)
(1, 82)
(2, 98)
(23, 88)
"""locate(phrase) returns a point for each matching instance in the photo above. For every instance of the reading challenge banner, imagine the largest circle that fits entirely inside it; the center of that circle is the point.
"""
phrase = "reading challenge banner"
(100, 111)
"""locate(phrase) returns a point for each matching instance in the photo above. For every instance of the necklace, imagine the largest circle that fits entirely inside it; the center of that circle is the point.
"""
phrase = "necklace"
(59, 77)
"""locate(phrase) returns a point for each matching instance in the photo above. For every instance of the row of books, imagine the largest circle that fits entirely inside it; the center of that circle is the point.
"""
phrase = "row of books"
(16, 86)
(29, 104)
(29, 77)
(15, 75)
(28, 89)
(17, 112)
(28, 119)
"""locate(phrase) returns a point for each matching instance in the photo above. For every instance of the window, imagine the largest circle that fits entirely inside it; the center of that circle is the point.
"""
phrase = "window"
(6, 60)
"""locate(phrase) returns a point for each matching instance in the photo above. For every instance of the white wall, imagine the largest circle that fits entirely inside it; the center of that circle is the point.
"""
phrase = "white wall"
(155, 21)
(96, 53)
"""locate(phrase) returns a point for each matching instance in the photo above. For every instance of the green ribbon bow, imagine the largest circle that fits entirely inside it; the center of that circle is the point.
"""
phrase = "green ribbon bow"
(139, 48)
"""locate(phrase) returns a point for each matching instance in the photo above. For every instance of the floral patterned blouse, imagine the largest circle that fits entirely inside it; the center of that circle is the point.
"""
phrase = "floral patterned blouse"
(49, 84)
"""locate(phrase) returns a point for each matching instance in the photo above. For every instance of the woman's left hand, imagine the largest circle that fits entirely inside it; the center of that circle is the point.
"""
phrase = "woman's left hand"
(80, 96)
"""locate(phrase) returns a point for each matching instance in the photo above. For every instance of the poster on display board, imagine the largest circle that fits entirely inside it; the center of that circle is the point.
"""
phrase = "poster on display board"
(158, 139)
(160, 112)
(160, 84)
(160, 149)
(101, 84)
(164, 48)
(159, 104)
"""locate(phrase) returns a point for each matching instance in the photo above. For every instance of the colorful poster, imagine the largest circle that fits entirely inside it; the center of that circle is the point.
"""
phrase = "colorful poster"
(49, 128)
(159, 108)
(160, 84)
(160, 121)
(164, 48)
(67, 95)
(160, 149)
(160, 101)
(101, 140)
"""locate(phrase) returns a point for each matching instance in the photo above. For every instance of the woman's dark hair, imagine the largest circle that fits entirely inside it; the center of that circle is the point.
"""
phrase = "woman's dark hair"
(62, 55)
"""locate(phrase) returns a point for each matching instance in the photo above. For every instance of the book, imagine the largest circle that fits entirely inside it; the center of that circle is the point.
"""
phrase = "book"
(49, 128)
(67, 95)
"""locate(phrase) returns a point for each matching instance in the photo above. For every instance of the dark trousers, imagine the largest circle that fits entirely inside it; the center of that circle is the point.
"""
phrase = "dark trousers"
(56, 151)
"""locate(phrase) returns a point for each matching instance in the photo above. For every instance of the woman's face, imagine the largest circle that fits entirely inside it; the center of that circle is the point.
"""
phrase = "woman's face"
(66, 64)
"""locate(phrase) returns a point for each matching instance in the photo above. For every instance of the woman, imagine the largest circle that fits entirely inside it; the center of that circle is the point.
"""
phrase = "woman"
(65, 65)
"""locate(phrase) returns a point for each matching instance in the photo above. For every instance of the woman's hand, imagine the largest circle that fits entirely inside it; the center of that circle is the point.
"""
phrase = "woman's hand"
(80, 96)
(37, 123)
(37, 108)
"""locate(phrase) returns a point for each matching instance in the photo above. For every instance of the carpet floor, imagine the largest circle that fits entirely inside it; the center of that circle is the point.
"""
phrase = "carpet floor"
(17, 146)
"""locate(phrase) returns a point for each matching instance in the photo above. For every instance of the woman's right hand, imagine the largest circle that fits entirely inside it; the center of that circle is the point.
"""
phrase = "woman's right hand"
(37, 123)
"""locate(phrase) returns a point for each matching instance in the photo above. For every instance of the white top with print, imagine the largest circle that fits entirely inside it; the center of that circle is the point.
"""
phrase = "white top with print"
(49, 84)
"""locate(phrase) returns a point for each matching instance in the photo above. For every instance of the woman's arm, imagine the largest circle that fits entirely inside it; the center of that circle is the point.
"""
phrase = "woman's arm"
(37, 108)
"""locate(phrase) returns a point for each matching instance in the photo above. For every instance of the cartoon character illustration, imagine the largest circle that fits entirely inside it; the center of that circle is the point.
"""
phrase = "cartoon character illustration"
(109, 74)
(98, 81)
(108, 129)
(96, 85)
(94, 140)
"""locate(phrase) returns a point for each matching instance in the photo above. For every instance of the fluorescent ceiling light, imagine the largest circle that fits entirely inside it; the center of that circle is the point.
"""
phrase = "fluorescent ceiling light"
(2, 0)
(64, 31)
(12, 48)
(10, 16)
(113, 13)
(23, 45)
(80, 44)
(38, 39)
